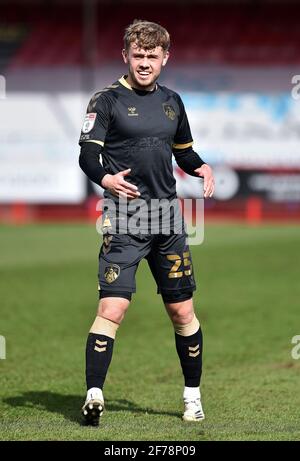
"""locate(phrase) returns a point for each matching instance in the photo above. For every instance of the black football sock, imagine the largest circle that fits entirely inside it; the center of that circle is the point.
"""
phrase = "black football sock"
(189, 350)
(99, 350)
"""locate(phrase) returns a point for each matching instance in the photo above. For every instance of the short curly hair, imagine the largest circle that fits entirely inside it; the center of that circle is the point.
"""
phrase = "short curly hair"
(147, 35)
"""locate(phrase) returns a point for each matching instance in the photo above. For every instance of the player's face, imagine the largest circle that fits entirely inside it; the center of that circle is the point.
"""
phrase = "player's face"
(144, 65)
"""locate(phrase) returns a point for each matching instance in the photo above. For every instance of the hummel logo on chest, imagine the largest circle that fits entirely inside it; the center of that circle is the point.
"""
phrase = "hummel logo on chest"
(132, 112)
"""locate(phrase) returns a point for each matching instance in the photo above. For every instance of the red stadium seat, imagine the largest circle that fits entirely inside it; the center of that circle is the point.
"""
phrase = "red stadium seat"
(224, 34)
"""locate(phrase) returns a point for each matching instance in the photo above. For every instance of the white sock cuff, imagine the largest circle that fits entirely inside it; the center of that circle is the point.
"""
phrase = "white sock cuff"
(188, 329)
(102, 326)
(191, 393)
(94, 393)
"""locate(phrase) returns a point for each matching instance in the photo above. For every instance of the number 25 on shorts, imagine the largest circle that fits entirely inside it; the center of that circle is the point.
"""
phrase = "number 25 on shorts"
(174, 272)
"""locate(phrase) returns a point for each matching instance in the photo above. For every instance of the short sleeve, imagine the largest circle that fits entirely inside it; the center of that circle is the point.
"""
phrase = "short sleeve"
(96, 120)
(183, 137)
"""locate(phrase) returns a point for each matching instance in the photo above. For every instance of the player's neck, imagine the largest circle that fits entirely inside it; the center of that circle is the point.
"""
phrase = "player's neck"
(138, 87)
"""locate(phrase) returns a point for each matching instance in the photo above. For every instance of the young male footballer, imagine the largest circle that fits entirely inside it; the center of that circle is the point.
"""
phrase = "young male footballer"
(136, 125)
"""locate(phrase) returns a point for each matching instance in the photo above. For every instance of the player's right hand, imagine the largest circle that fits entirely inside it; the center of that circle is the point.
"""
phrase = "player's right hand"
(116, 184)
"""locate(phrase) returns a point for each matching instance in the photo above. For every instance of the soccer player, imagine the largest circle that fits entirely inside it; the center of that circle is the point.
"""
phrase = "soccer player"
(136, 125)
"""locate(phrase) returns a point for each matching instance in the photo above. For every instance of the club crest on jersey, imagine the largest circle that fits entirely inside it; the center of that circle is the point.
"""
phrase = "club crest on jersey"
(89, 122)
(111, 273)
(169, 111)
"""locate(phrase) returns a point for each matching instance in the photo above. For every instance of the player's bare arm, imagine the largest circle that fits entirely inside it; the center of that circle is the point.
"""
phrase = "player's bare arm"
(209, 183)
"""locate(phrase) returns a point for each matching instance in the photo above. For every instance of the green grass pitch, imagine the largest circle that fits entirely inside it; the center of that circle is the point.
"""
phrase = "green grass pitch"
(248, 303)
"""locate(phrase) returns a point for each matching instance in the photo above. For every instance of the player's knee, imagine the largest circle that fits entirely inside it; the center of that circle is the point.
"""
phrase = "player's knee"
(181, 312)
(182, 316)
(113, 308)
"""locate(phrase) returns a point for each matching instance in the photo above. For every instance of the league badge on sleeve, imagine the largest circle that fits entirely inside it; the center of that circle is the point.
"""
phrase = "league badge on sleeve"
(89, 122)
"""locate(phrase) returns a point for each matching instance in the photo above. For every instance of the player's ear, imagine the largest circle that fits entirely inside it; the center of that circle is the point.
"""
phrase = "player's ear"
(125, 56)
(166, 57)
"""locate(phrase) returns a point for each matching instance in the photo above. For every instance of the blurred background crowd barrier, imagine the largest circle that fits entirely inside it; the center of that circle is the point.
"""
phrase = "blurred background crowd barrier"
(235, 65)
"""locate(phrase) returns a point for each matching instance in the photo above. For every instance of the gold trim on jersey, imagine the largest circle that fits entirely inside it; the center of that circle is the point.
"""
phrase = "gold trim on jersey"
(182, 146)
(101, 143)
(123, 82)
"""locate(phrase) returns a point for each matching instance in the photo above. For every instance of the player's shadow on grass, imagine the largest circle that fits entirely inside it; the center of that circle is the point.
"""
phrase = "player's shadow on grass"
(69, 405)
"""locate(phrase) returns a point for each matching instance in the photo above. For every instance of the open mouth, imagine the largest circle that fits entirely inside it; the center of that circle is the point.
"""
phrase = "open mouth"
(143, 73)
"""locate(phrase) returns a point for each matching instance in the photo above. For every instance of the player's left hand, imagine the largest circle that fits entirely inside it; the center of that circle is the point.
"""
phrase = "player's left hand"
(209, 182)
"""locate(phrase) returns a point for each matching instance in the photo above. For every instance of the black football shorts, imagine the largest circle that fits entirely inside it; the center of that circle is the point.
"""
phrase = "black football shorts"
(168, 257)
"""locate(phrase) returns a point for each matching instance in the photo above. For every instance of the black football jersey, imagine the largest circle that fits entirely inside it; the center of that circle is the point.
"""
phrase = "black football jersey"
(138, 130)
